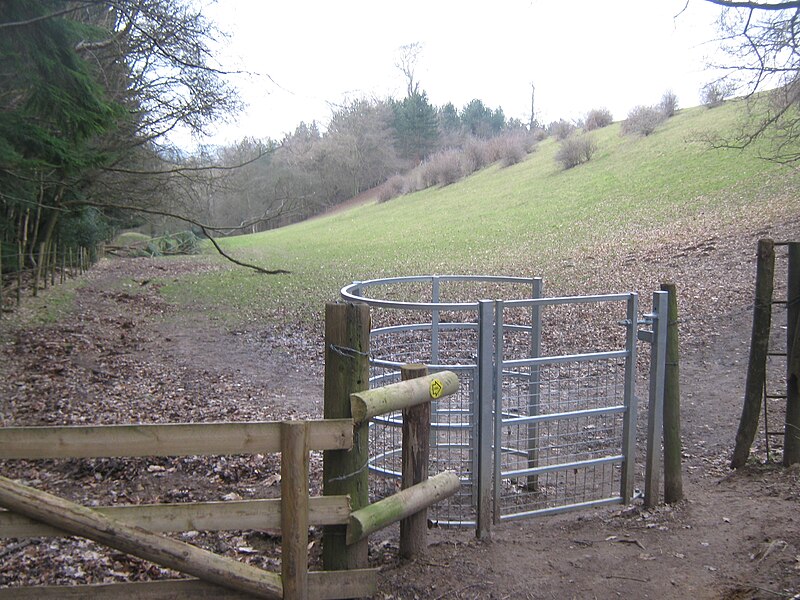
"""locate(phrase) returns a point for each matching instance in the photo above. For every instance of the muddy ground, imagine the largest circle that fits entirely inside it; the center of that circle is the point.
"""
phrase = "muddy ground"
(124, 355)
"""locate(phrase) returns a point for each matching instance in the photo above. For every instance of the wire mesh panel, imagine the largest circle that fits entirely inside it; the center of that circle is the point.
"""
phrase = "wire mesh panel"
(560, 436)
(560, 419)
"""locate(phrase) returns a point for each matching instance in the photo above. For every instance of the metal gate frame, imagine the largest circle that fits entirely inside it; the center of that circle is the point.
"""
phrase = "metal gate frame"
(484, 474)
(491, 369)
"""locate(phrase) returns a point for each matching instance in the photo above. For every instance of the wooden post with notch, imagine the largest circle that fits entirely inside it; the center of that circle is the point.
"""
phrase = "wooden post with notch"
(294, 509)
(347, 328)
(416, 451)
(759, 346)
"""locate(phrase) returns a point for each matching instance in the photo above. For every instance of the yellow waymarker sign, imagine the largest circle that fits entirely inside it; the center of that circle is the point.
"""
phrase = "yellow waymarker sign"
(436, 388)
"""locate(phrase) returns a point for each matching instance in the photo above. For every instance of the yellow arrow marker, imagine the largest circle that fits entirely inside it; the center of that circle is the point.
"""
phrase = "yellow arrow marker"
(436, 388)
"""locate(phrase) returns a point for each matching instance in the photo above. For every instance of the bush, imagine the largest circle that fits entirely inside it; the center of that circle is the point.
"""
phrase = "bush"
(475, 155)
(669, 104)
(392, 188)
(715, 93)
(598, 118)
(538, 134)
(643, 120)
(561, 129)
(576, 150)
(443, 168)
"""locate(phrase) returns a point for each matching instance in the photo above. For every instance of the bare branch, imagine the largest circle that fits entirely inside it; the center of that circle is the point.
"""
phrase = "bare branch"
(203, 227)
(53, 15)
(757, 5)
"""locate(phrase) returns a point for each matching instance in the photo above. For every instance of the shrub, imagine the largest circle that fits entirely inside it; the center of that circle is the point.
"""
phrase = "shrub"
(576, 150)
(643, 120)
(538, 134)
(443, 168)
(392, 188)
(598, 118)
(715, 93)
(560, 129)
(475, 155)
(669, 104)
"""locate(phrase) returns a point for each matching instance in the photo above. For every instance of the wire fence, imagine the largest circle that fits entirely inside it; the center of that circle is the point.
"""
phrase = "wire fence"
(35, 271)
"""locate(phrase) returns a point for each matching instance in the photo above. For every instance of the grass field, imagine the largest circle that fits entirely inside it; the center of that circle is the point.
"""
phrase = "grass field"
(529, 219)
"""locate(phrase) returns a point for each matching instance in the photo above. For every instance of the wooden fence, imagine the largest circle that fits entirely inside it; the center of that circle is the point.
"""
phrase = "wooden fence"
(134, 529)
(192, 439)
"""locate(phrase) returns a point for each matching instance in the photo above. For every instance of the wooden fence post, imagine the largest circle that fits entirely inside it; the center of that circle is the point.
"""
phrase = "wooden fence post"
(20, 264)
(415, 453)
(294, 509)
(673, 484)
(759, 344)
(791, 435)
(347, 328)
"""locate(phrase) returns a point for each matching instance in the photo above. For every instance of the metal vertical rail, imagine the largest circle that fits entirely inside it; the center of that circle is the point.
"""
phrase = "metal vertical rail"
(533, 385)
(498, 411)
(435, 321)
(655, 409)
(629, 424)
(485, 405)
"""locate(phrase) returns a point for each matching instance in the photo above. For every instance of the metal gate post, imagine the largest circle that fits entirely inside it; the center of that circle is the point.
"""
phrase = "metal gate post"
(629, 425)
(533, 385)
(655, 411)
(484, 412)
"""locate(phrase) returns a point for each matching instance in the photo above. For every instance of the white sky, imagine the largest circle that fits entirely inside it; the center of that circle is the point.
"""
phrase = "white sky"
(580, 55)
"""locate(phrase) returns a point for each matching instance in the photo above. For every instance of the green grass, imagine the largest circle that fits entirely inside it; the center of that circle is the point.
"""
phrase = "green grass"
(523, 220)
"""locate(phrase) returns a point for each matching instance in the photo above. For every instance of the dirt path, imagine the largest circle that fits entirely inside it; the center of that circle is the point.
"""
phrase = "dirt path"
(125, 355)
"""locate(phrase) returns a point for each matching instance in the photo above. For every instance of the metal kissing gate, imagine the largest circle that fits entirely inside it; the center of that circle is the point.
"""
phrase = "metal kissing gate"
(546, 417)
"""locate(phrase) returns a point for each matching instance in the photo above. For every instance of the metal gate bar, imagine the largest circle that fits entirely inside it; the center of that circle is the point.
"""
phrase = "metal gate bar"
(562, 455)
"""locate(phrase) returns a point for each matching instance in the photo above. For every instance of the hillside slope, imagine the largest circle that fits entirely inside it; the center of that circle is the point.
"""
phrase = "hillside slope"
(668, 189)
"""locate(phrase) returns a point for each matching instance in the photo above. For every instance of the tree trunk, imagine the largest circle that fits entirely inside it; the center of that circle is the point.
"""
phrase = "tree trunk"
(759, 344)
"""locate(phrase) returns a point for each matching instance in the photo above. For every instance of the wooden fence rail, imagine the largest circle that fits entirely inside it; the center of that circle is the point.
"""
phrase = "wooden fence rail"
(133, 529)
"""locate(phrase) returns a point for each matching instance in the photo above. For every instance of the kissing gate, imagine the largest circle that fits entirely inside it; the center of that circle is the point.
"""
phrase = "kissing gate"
(546, 417)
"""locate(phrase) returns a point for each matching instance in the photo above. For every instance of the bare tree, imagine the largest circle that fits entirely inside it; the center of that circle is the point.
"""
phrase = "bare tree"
(762, 40)
(407, 63)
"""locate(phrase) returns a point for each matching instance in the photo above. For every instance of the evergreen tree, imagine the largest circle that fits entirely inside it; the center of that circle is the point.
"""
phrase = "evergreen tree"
(416, 128)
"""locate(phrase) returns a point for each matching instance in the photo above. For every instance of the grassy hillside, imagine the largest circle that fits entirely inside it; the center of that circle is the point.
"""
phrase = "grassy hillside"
(529, 219)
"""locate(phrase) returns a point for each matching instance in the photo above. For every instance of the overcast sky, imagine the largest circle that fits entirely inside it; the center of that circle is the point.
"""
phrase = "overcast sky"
(314, 55)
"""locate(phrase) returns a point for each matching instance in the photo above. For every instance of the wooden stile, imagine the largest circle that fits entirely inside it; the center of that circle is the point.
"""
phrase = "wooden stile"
(400, 505)
(404, 394)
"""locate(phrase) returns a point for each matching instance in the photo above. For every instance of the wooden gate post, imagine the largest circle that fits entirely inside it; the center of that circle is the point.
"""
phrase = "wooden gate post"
(791, 435)
(347, 328)
(759, 344)
(673, 483)
(416, 451)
